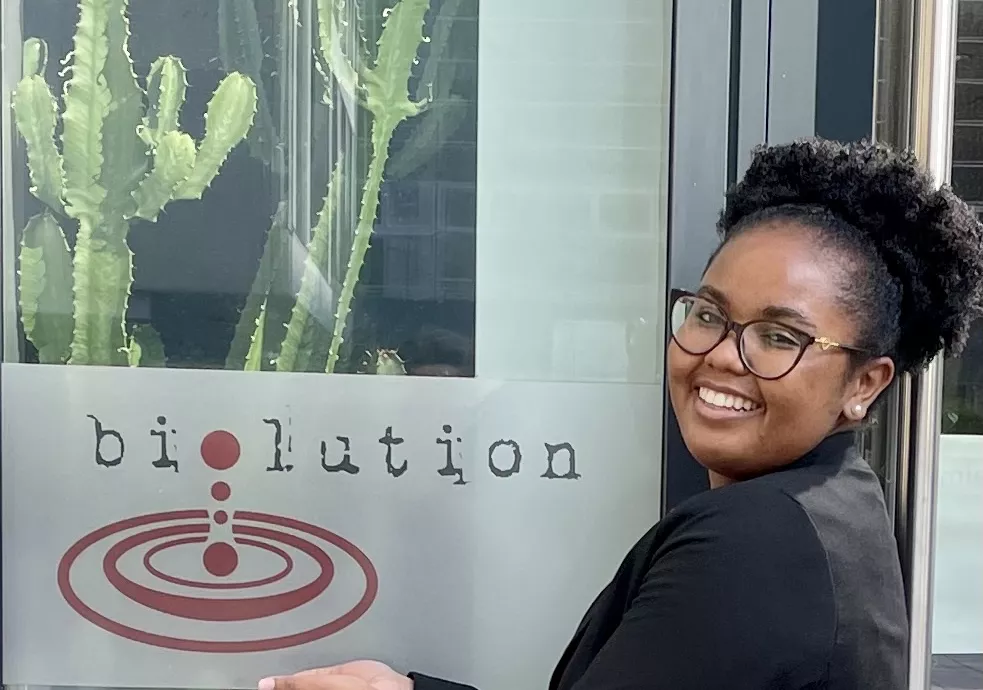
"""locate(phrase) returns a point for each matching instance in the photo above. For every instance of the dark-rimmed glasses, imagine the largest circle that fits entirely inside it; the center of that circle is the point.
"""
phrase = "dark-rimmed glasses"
(768, 349)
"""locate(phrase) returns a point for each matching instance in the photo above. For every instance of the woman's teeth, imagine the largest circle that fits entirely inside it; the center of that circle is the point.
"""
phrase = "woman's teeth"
(726, 400)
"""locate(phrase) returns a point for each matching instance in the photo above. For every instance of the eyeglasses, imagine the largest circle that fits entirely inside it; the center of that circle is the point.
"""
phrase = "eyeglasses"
(768, 349)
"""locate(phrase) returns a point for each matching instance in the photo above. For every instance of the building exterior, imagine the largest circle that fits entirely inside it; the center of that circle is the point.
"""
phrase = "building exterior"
(382, 306)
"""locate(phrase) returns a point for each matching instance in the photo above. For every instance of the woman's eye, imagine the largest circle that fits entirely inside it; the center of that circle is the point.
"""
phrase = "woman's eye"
(708, 316)
(780, 339)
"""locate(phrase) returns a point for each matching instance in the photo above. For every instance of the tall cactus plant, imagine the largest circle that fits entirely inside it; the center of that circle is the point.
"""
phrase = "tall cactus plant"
(380, 87)
(383, 91)
(121, 157)
(241, 50)
(446, 110)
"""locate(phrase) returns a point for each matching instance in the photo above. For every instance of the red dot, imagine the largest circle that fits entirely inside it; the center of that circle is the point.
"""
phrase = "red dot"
(221, 491)
(220, 450)
(221, 517)
(220, 559)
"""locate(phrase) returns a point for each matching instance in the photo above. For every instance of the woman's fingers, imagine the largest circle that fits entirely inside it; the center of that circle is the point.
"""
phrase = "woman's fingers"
(354, 675)
(329, 678)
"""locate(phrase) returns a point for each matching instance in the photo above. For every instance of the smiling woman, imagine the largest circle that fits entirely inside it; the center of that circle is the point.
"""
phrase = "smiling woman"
(774, 277)
(818, 250)
(839, 267)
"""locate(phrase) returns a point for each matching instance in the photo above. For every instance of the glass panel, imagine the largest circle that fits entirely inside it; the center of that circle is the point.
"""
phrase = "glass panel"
(210, 257)
(957, 630)
(325, 318)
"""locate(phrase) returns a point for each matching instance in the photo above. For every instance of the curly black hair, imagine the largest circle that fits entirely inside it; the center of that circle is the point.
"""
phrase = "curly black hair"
(916, 250)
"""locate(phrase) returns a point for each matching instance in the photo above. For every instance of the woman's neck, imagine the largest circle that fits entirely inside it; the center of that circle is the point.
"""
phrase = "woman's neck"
(847, 434)
(718, 480)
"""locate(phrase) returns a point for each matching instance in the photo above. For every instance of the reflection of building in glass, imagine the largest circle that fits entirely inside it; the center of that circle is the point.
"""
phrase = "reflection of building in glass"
(963, 405)
(957, 660)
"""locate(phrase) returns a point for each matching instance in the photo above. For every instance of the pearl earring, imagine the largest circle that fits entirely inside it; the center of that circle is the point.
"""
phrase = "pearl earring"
(859, 410)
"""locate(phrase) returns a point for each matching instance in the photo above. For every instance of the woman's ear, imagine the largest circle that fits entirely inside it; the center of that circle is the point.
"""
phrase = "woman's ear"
(865, 385)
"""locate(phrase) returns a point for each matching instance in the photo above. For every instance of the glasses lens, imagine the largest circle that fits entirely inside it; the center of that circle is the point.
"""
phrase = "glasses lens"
(770, 349)
(697, 325)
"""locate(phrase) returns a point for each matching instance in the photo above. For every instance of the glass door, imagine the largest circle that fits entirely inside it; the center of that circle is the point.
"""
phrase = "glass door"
(927, 440)
(957, 612)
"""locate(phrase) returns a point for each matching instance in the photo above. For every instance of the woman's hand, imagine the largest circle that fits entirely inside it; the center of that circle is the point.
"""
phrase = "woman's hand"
(355, 675)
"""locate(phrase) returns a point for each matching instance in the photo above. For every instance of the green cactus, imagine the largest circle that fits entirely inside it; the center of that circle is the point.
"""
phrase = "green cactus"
(241, 50)
(381, 89)
(145, 348)
(46, 288)
(254, 357)
(300, 344)
(383, 363)
(385, 95)
(445, 110)
(117, 161)
(305, 342)
(250, 329)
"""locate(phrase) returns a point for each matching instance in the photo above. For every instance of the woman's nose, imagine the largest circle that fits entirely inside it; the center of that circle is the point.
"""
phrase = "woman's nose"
(726, 357)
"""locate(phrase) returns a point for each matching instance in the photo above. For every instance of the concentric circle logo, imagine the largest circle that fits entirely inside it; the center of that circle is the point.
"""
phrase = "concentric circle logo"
(183, 569)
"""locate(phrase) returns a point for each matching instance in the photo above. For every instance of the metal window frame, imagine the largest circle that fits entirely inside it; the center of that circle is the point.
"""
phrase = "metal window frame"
(700, 133)
(923, 123)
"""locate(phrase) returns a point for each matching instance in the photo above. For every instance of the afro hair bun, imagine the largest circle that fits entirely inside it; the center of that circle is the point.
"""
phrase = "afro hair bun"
(930, 240)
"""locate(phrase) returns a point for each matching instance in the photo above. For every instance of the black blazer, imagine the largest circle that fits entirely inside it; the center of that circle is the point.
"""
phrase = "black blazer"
(787, 581)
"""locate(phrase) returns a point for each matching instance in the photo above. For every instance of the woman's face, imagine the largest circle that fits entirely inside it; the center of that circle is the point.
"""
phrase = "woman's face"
(776, 271)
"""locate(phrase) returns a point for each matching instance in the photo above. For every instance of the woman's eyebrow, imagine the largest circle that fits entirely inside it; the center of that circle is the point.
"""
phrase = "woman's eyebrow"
(770, 312)
(776, 312)
(714, 294)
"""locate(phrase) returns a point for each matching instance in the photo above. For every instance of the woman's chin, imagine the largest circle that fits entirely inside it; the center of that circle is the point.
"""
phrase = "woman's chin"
(720, 443)
(727, 455)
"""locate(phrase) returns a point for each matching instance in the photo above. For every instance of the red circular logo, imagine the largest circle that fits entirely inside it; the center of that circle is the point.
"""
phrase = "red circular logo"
(144, 541)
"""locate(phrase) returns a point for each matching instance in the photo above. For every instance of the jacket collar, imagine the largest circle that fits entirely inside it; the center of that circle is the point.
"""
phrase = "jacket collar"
(831, 450)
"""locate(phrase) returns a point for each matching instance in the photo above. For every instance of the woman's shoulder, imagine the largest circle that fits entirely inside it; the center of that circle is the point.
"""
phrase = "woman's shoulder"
(758, 520)
(810, 496)
(742, 564)
(747, 499)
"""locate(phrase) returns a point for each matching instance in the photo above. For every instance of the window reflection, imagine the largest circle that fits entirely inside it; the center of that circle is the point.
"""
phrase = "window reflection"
(957, 634)
(315, 158)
